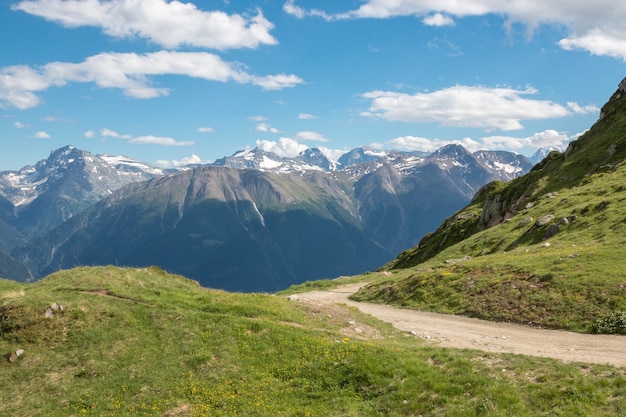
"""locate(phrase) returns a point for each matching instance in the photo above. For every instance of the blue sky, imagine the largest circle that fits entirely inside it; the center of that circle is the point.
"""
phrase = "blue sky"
(172, 82)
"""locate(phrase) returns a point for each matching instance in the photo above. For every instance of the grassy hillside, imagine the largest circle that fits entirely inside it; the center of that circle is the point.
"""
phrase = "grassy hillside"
(140, 342)
(546, 248)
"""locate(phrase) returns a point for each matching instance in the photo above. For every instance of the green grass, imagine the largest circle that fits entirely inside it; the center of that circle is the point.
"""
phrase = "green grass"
(141, 342)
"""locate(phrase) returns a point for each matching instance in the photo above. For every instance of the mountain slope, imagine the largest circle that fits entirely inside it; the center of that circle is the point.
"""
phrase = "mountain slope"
(228, 228)
(545, 248)
(112, 341)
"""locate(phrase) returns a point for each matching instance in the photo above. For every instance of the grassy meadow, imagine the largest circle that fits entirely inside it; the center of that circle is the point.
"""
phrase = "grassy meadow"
(141, 342)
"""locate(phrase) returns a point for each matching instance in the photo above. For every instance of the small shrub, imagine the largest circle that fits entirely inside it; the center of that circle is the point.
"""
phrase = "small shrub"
(612, 323)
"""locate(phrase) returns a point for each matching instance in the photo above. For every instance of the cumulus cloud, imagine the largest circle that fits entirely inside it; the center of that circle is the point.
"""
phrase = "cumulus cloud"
(129, 72)
(417, 143)
(284, 147)
(527, 145)
(205, 130)
(19, 125)
(189, 160)
(307, 116)
(546, 139)
(265, 127)
(90, 134)
(333, 154)
(468, 106)
(17, 84)
(438, 19)
(41, 135)
(257, 118)
(170, 24)
(597, 27)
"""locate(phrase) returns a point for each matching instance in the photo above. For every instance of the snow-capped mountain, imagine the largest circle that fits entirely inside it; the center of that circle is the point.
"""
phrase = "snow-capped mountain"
(361, 154)
(361, 161)
(289, 215)
(65, 183)
(310, 159)
(508, 165)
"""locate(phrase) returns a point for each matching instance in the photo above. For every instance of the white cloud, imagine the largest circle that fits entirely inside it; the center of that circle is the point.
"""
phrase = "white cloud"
(170, 24)
(41, 135)
(466, 106)
(310, 136)
(17, 84)
(416, 143)
(265, 127)
(189, 160)
(257, 118)
(90, 134)
(108, 133)
(19, 125)
(144, 140)
(307, 116)
(527, 145)
(158, 140)
(333, 154)
(284, 147)
(547, 138)
(598, 43)
(438, 19)
(273, 82)
(594, 26)
(290, 7)
(129, 72)
(205, 130)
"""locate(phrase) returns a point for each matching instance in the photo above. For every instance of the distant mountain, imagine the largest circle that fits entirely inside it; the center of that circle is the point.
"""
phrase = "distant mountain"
(360, 155)
(507, 164)
(261, 222)
(542, 153)
(310, 159)
(67, 182)
(228, 228)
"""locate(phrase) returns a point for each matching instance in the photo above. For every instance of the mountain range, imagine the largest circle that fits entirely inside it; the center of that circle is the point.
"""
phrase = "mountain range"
(251, 221)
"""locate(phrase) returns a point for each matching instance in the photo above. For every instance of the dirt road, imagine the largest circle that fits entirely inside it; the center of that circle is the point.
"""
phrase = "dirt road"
(462, 332)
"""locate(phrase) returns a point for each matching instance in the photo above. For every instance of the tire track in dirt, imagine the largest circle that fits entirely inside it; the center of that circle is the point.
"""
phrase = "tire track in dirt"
(468, 333)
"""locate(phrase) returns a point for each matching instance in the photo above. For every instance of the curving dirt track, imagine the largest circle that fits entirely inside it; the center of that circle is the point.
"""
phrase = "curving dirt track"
(467, 333)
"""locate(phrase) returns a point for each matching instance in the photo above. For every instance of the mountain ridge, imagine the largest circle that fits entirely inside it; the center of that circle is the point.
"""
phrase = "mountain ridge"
(295, 224)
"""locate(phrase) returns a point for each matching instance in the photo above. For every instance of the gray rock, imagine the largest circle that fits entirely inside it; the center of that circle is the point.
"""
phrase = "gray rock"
(57, 307)
(542, 221)
(13, 356)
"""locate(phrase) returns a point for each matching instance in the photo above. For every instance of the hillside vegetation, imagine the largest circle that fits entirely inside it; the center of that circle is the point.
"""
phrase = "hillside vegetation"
(108, 341)
(545, 249)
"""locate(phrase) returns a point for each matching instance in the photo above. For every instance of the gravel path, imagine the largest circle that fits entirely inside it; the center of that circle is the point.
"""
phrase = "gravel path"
(462, 332)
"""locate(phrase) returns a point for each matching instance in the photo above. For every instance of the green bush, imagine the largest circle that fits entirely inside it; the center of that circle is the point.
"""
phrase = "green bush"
(613, 323)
